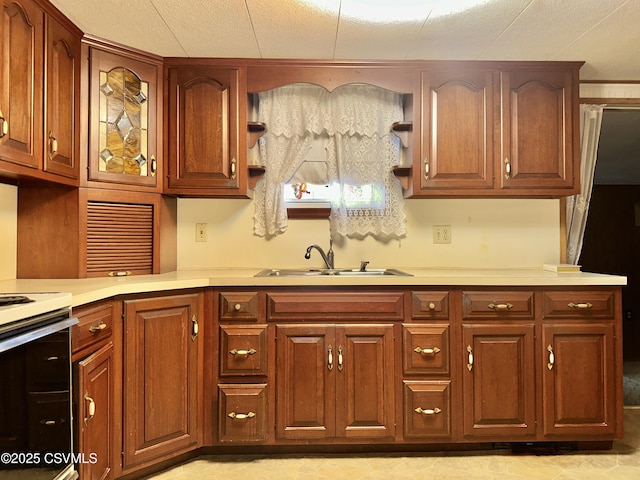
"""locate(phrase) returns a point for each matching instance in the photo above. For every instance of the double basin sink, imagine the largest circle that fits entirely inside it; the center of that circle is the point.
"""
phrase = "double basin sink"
(374, 272)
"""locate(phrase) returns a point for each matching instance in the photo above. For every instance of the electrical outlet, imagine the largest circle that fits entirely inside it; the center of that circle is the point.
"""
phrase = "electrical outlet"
(201, 232)
(442, 234)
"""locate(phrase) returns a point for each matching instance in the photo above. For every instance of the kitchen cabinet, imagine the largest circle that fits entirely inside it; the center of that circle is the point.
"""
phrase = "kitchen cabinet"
(207, 149)
(335, 381)
(96, 417)
(579, 355)
(39, 106)
(96, 349)
(163, 371)
(499, 130)
(88, 232)
(125, 131)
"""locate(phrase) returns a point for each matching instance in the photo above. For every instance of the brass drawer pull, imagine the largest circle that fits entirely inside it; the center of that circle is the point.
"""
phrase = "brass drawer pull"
(469, 358)
(98, 328)
(195, 328)
(428, 411)
(242, 416)
(552, 358)
(120, 273)
(427, 351)
(53, 145)
(4, 125)
(330, 358)
(340, 358)
(233, 168)
(580, 306)
(251, 351)
(154, 165)
(426, 168)
(237, 307)
(507, 169)
(500, 306)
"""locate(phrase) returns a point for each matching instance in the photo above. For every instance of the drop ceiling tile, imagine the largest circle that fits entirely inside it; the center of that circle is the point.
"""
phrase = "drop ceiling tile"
(293, 29)
(544, 27)
(206, 28)
(135, 24)
(464, 35)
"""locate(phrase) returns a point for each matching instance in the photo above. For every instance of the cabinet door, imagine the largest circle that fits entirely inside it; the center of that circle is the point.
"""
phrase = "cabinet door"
(204, 133)
(498, 381)
(458, 130)
(21, 63)
(124, 132)
(162, 350)
(306, 360)
(62, 106)
(579, 392)
(364, 360)
(96, 419)
(538, 123)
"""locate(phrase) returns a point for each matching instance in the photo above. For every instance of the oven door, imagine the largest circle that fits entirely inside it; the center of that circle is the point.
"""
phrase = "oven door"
(35, 398)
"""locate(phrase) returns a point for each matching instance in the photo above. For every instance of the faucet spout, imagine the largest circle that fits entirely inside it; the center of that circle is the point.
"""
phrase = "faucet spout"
(327, 257)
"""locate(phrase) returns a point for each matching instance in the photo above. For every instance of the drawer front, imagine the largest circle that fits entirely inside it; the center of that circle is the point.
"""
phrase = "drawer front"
(425, 350)
(243, 350)
(242, 413)
(427, 410)
(239, 307)
(490, 305)
(95, 324)
(582, 304)
(335, 306)
(430, 305)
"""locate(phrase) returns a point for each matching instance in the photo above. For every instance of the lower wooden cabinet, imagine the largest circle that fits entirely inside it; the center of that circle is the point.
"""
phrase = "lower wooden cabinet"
(335, 381)
(427, 410)
(162, 375)
(243, 413)
(95, 414)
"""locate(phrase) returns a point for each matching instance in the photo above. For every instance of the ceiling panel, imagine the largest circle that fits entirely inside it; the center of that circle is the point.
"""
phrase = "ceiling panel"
(604, 33)
(210, 29)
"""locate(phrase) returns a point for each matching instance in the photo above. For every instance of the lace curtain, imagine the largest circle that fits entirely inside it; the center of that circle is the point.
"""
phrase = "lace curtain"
(353, 123)
(578, 205)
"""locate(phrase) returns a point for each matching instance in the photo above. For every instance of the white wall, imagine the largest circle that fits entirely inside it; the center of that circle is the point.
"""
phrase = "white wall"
(486, 233)
(8, 229)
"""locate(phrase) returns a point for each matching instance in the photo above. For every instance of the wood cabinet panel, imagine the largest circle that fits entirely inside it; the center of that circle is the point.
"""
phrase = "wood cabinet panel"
(329, 306)
(96, 418)
(162, 375)
(458, 112)
(580, 304)
(206, 109)
(425, 350)
(499, 381)
(62, 107)
(427, 410)
(578, 395)
(430, 305)
(95, 325)
(243, 350)
(491, 305)
(243, 413)
(538, 108)
(21, 60)
(239, 306)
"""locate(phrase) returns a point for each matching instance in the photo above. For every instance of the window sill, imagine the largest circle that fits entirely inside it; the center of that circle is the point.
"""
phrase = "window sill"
(308, 210)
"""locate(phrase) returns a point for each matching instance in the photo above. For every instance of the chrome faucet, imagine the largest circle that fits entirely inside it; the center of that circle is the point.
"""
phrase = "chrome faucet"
(327, 257)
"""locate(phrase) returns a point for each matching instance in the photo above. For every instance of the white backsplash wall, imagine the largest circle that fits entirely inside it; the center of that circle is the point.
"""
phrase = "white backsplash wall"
(486, 233)
(9, 229)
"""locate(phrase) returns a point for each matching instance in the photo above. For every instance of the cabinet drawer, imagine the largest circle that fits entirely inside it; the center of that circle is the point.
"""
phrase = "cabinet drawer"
(581, 304)
(239, 306)
(243, 350)
(47, 361)
(95, 324)
(425, 350)
(514, 305)
(48, 422)
(335, 306)
(427, 410)
(430, 305)
(242, 413)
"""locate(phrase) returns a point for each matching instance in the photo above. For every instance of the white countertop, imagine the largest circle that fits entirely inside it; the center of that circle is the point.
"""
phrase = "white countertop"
(42, 303)
(88, 290)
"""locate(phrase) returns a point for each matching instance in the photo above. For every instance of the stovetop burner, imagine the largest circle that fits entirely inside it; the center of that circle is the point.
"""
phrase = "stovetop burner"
(14, 299)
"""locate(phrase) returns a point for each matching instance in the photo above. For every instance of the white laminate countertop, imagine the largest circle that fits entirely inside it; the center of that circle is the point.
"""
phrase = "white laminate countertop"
(88, 290)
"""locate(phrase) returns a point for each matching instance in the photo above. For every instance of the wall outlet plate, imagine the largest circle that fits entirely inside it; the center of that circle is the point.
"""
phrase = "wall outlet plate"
(201, 232)
(442, 234)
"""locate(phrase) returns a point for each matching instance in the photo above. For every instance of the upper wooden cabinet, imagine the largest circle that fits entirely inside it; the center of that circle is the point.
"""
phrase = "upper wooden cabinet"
(205, 111)
(125, 135)
(39, 108)
(499, 130)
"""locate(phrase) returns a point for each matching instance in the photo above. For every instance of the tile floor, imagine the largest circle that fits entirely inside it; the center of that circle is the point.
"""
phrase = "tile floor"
(620, 463)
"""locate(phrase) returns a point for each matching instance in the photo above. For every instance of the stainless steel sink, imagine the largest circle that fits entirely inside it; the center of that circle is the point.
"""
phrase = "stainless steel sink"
(373, 272)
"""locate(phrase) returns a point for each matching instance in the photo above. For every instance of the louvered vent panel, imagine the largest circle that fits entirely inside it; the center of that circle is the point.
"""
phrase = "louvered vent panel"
(119, 238)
